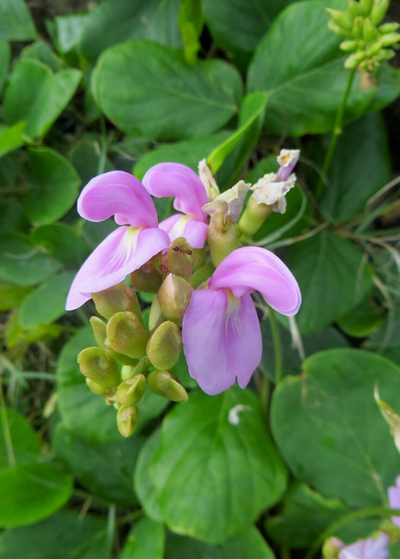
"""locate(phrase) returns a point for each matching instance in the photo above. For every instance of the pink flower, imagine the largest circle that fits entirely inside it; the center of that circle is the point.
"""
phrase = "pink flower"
(121, 195)
(394, 500)
(174, 179)
(221, 331)
(372, 548)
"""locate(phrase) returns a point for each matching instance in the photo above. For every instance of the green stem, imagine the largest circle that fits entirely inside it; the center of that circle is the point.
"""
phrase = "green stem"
(337, 130)
(334, 528)
(103, 147)
(110, 529)
(6, 428)
(276, 338)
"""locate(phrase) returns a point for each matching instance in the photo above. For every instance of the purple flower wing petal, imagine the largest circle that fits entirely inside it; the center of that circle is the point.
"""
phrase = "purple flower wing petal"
(194, 231)
(394, 501)
(122, 252)
(372, 548)
(222, 340)
(251, 268)
(174, 179)
(120, 194)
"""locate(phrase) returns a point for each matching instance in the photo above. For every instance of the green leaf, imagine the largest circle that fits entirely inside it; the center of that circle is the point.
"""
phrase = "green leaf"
(253, 108)
(68, 31)
(306, 79)
(15, 21)
(145, 541)
(42, 102)
(329, 428)
(363, 320)
(157, 93)
(332, 278)
(25, 447)
(78, 536)
(328, 338)
(5, 55)
(16, 334)
(191, 24)
(47, 304)
(11, 138)
(86, 158)
(31, 492)
(143, 482)
(22, 263)
(108, 466)
(11, 296)
(386, 340)
(248, 544)
(117, 21)
(42, 52)
(94, 233)
(211, 448)
(12, 217)
(189, 153)
(53, 186)
(62, 242)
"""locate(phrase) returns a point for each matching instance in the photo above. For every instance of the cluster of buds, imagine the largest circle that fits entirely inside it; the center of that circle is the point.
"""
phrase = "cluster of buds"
(128, 357)
(369, 41)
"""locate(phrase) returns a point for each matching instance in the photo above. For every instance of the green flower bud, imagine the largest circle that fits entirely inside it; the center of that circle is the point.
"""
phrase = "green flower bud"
(123, 359)
(140, 369)
(348, 46)
(253, 216)
(98, 365)
(156, 316)
(131, 391)
(96, 388)
(117, 299)
(354, 8)
(164, 346)
(99, 330)
(358, 28)
(389, 39)
(147, 278)
(354, 60)
(388, 27)
(178, 259)
(202, 275)
(379, 10)
(127, 420)
(331, 548)
(339, 30)
(222, 237)
(385, 54)
(342, 19)
(127, 371)
(167, 385)
(370, 32)
(200, 255)
(126, 335)
(375, 48)
(174, 297)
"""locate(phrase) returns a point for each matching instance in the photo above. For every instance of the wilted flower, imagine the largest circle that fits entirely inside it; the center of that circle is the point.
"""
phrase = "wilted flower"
(221, 331)
(121, 195)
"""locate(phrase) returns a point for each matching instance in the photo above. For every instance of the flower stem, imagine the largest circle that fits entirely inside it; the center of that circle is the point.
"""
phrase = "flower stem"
(276, 338)
(6, 428)
(334, 528)
(337, 130)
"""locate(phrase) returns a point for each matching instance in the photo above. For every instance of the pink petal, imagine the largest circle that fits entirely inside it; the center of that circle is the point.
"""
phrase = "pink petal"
(372, 548)
(120, 194)
(394, 501)
(174, 179)
(122, 252)
(221, 339)
(194, 231)
(252, 268)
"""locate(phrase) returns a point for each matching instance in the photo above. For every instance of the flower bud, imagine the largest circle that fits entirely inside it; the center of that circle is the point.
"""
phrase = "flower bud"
(353, 7)
(123, 359)
(348, 46)
(358, 28)
(202, 275)
(379, 10)
(200, 257)
(222, 237)
(342, 19)
(156, 316)
(253, 216)
(167, 385)
(99, 365)
(99, 330)
(131, 391)
(96, 388)
(148, 277)
(178, 259)
(126, 335)
(389, 27)
(354, 60)
(339, 30)
(366, 6)
(164, 346)
(331, 548)
(127, 420)
(115, 299)
(174, 297)
(385, 54)
(369, 31)
(389, 39)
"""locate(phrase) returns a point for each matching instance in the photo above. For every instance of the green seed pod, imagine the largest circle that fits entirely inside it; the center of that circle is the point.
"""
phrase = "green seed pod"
(156, 316)
(99, 330)
(167, 385)
(127, 420)
(96, 388)
(115, 299)
(99, 365)
(131, 391)
(379, 10)
(148, 277)
(222, 237)
(164, 346)
(178, 259)
(174, 297)
(342, 19)
(126, 335)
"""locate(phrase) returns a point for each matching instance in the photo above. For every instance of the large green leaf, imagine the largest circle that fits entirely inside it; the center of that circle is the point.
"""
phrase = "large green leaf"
(386, 340)
(86, 160)
(248, 544)
(143, 482)
(53, 186)
(43, 101)
(32, 492)
(299, 64)
(116, 21)
(66, 535)
(25, 446)
(108, 466)
(157, 93)
(11, 295)
(216, 468)
(330, 430)
(22, 263)
(15, 21)
(11, 138)
(62, 242)
(145, 541)
(332, 276)
(5, 55)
